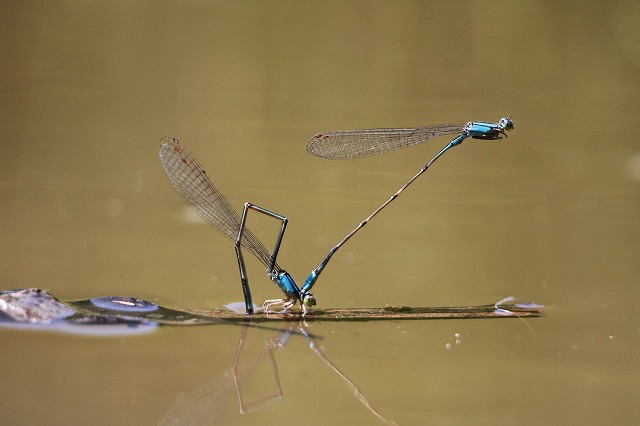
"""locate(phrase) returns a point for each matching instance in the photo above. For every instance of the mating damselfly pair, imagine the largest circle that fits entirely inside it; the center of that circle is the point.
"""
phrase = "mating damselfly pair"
(188, 178)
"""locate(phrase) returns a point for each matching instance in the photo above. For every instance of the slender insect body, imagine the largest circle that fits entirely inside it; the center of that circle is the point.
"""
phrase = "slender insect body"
(189, 179)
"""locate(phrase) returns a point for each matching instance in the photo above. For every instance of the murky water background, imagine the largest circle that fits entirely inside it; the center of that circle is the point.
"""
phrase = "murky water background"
(549, 215)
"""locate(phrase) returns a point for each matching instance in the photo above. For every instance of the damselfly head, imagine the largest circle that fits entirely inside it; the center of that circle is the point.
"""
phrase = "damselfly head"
(309, 300)
(506, 123)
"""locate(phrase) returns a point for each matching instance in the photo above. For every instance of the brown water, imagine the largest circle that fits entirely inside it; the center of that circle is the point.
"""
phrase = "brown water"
(550, 215)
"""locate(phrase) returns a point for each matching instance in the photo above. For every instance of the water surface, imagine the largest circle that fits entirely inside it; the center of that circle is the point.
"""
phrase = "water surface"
(549, 215)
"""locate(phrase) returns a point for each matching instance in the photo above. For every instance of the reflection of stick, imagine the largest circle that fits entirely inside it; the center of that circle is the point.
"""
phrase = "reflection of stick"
(313, 344)
(205, 403)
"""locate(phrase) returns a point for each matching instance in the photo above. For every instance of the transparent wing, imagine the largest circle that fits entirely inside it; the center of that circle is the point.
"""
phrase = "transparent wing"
(348, 144)
(189, 180)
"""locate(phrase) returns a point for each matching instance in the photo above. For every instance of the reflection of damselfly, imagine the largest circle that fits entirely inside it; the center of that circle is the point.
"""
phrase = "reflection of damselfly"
(281, 339)
(190, 181)
(255, 379)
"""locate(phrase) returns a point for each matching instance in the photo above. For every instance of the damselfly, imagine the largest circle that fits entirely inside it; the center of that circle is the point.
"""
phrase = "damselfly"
(189, 179)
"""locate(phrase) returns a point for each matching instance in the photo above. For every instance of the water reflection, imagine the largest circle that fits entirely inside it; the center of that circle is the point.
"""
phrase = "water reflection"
(255, 381)
(36, 309)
